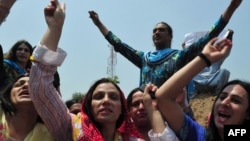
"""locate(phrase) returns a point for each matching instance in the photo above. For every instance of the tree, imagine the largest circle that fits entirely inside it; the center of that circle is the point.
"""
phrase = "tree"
(77, 95)
(115, 79)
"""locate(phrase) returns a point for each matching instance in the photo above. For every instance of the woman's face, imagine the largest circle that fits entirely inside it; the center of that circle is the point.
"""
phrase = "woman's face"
(106, 103)
(23, 53)
(231, 106)
(20, 92)
(137, 110)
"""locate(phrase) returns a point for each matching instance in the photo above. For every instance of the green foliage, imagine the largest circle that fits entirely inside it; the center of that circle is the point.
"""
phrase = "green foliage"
(115, 79)
(5, 54)
(77, 96)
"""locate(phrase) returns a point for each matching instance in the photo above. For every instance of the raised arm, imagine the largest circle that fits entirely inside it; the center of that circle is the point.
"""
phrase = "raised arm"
(166, 95)
(134, 56)
(234, 4)
(54, 15)
(5, 6)
(46, 57)
(95, 18)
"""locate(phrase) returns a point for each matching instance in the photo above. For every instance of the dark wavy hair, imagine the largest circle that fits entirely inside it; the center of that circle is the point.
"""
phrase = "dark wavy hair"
(12, 52)
(212, 131)
(130, 95)
(88, 99)
(6, 103)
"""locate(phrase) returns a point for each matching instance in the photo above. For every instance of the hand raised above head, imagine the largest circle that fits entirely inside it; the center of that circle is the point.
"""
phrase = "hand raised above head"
(215, 52)
(55, 13)
(94, 16)
(50, 9)
(236, 3)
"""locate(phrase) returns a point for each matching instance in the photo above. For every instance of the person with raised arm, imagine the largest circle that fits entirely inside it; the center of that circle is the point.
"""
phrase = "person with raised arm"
(46, 57)
(231, 107)
(103, 116)
(158, 65)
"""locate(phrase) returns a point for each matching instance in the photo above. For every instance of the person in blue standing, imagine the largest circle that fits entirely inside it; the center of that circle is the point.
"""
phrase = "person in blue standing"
(157, 66)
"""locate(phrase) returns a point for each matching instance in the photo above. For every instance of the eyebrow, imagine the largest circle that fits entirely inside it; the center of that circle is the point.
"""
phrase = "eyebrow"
(139, 100)
(237, 96)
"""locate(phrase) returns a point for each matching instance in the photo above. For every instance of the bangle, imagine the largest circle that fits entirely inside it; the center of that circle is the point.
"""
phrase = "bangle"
(204, 57)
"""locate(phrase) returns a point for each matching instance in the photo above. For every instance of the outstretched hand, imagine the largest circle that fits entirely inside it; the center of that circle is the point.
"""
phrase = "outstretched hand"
(94, 16)
(218, 51)
(55, 13)
(236, 3)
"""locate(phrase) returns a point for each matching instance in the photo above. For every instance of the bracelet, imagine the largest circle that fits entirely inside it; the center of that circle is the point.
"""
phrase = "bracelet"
(204, 57)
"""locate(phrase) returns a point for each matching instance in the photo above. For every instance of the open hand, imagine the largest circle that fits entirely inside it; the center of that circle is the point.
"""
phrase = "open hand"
(218, 51)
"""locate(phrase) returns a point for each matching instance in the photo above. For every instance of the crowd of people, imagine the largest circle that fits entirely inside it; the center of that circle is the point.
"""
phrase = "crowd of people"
(32, 108)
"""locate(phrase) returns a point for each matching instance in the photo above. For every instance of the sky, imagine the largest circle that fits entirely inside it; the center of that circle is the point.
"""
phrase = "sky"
(132, 21)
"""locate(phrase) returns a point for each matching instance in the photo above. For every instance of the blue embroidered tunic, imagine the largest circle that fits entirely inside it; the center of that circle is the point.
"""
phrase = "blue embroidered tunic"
(158, 71)
(10, 72)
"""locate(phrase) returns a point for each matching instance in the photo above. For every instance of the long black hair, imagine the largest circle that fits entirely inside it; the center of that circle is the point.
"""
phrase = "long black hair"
(12, 52)
(212, 131)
